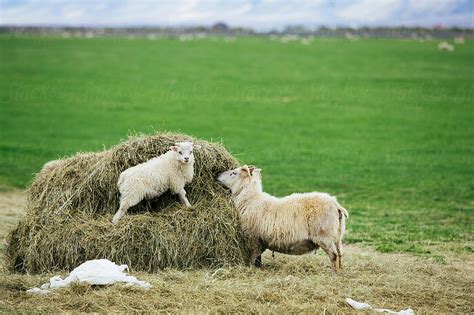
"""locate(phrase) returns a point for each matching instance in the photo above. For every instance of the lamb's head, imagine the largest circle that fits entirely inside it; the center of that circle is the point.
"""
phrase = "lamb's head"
(184, 151)
(241, 177)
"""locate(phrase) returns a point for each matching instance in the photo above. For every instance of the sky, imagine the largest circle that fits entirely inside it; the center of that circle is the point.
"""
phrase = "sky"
(257, 14)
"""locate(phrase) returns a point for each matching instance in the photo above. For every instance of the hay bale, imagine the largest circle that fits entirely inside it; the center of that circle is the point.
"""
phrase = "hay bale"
(70, 206)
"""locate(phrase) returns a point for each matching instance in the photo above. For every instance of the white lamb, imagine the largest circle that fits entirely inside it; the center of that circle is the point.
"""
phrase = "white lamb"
(296, 224)
(171, 170)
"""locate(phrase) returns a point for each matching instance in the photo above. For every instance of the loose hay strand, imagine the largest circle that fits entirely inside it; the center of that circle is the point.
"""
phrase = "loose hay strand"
(70, 206)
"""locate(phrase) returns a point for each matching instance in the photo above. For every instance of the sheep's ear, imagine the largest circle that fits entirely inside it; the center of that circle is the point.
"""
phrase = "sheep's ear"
(251, 169)
(196, 146)
(255, 170)
(245, 170)
(174, 148)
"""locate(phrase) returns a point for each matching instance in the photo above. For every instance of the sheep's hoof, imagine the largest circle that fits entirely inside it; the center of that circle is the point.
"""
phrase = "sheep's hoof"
(115, 220)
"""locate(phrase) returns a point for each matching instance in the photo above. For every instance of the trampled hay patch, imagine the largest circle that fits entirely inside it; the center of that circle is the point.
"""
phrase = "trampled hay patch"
(284, 284)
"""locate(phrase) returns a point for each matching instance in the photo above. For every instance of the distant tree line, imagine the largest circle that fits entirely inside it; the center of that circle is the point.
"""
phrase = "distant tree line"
(222, 29)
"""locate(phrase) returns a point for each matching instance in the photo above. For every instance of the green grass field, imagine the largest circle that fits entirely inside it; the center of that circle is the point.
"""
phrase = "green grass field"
(385, 125)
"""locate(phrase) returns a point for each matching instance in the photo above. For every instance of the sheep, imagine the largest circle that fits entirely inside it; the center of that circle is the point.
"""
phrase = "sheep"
(295, 224)
(169, 171)
(459, 40)
(445, 46)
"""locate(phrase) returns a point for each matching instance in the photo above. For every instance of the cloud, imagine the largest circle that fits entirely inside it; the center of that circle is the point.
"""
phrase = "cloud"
(369, 11)
(433, 6)
(259, 14)
(407, 12)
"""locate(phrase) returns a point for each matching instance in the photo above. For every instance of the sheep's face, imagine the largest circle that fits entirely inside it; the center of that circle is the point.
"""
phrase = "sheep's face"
(239, 178)
(184, 152)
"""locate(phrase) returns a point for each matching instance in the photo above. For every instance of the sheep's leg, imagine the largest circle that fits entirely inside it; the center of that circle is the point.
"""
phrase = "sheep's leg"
(182, 197)
(121, 212)
(331, 250)
(125, 204)
(256, 258)
(339, 249)
(256, 250)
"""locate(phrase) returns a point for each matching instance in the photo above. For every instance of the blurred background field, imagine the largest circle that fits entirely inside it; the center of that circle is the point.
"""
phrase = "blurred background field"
(368, 100)
(384, 124)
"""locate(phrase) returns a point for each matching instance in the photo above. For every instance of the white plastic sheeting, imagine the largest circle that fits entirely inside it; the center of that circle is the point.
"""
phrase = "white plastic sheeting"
(95, 272)
(365, 306)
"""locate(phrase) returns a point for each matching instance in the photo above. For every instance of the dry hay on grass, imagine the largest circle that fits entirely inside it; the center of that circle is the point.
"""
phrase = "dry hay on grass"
(71, 203)
(286, 284)
(12, 202)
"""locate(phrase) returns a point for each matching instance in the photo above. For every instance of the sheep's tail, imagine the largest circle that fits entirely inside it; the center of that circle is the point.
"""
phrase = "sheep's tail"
(343, 214)
(344, 211)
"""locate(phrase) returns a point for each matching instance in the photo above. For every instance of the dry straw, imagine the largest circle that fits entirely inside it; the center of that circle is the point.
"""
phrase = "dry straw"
(70, 206)
(286, 284)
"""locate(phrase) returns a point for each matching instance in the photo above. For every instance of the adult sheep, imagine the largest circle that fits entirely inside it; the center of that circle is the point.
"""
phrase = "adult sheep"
(295, 224)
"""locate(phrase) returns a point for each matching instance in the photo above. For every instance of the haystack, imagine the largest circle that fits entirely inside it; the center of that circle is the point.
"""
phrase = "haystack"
(70, 205)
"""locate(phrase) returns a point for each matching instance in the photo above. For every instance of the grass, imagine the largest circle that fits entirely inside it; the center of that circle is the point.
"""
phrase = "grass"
(386, 125)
